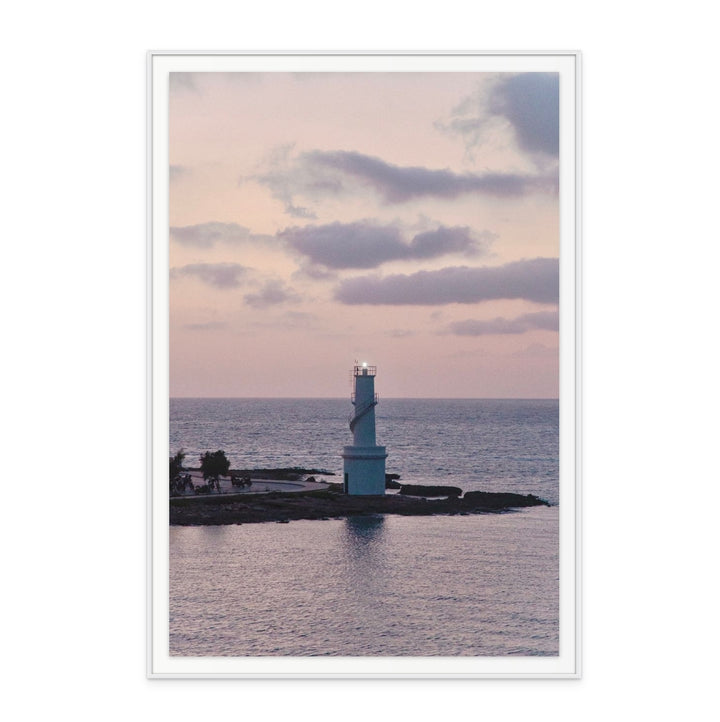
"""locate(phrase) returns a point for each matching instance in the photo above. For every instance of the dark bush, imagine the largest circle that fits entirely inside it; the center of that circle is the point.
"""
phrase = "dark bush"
(214, 464)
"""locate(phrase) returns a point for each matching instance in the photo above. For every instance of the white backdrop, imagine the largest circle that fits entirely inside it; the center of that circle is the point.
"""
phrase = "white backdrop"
(73, 301)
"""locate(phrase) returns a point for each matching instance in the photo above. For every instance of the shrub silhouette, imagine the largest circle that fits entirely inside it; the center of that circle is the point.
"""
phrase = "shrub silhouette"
(214, 464)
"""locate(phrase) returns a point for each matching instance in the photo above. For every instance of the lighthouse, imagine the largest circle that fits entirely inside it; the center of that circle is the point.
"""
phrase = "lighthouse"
(364, 461)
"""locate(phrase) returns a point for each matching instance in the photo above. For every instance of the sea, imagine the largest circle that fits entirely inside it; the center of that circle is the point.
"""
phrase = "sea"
(477, 585)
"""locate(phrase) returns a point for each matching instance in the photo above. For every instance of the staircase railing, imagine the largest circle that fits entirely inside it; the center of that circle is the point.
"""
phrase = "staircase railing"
(361, 411)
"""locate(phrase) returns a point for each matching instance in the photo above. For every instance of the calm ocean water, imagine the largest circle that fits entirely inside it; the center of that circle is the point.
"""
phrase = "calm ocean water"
(415, 586)
(476, 444)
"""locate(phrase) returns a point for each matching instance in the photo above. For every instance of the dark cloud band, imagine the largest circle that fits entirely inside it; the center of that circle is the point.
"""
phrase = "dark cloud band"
(320, 174)
(367, 245)
(399, 184)
(531, 280)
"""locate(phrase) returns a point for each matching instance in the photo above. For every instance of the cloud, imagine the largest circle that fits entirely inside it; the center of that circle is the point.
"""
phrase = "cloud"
(299, 212)
(531, 102)
(218, 275)
(399, 184)
(273, 293)
(183, 81)
(317, 174)
(537, 350)
(364, 244)
(242, 77)
(300, 318)
(526, 103)
(544, 320)
(206, 235)
(532, 280)
(177, 171)
(207, 326)
(443, 240)
(311, 272)
(290, 320)
(285, 180)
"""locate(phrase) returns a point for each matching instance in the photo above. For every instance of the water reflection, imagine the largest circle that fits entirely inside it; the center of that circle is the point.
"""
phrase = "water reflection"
(361, 532)
(362, 545)
(364, 555)
(218, 533)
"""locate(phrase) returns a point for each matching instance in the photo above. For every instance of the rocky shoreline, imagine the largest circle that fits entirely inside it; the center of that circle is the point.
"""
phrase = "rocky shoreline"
(332, 504)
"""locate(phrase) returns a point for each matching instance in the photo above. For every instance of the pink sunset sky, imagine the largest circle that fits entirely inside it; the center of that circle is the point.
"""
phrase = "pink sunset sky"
(409, 220)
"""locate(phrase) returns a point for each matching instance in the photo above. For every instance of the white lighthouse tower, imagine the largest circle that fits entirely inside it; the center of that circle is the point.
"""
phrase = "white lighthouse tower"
(364, 465)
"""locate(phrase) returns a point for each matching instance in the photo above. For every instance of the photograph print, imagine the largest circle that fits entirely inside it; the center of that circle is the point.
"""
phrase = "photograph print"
(360, 339)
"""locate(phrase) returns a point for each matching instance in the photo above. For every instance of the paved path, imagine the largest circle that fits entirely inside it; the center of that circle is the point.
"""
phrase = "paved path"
(258, 486)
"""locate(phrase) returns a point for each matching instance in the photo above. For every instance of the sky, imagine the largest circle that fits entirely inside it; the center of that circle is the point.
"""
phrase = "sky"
(407, 220)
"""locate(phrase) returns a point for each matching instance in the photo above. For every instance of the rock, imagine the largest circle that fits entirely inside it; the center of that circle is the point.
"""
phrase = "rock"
(492, 500)
(420, 490)
(391, 481)
(281, 507)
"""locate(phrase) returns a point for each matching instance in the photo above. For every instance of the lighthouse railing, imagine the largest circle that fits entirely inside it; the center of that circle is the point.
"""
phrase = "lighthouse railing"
(364, 370)
(353, 397)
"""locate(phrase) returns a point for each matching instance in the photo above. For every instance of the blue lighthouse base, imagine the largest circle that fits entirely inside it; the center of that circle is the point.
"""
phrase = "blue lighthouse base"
(364, 470)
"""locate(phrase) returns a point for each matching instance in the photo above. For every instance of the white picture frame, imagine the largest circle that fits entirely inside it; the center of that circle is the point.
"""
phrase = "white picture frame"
(160, 664)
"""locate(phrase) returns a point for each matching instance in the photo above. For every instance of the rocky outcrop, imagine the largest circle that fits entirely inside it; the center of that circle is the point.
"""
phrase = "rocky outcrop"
(278, 506)
(500, 500)
(391, 481)
(422, 490)
(412, 500)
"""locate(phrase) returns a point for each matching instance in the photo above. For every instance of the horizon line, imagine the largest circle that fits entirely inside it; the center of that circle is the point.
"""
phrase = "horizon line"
(392, 398)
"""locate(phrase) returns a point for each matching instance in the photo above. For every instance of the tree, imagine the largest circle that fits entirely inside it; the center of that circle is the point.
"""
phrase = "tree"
(176, 468)
(176, 464)
(214, 464)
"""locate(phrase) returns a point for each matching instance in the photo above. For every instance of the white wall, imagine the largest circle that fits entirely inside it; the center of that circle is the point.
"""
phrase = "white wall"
(72, 293)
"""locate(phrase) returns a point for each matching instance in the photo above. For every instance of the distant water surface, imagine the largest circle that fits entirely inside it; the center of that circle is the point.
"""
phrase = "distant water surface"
(482, 444)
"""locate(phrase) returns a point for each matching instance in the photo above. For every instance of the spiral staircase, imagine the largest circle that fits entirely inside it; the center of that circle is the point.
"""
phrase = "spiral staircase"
(361, 411)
